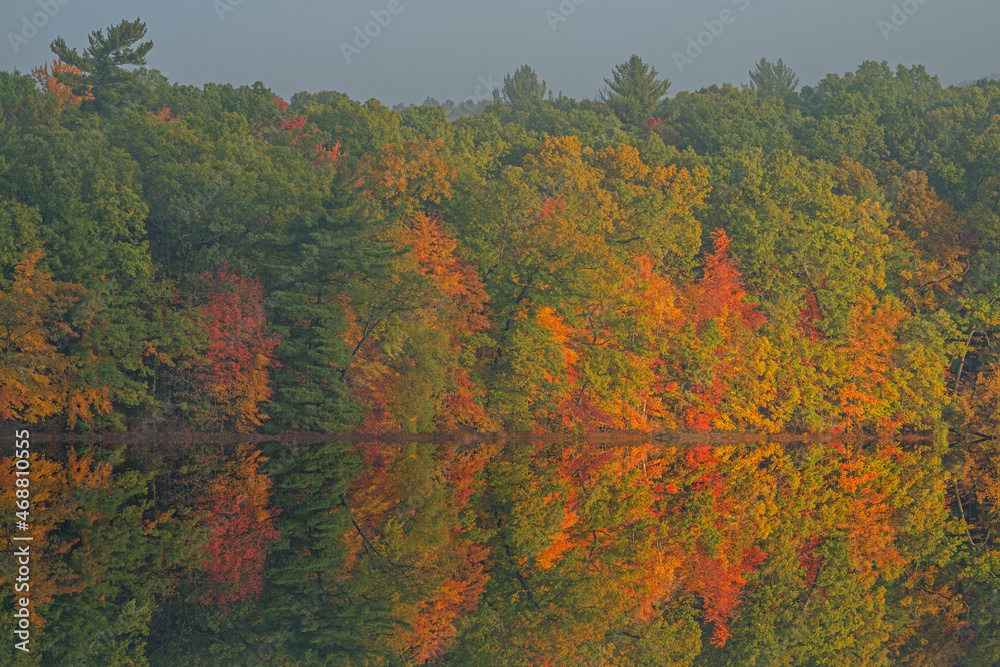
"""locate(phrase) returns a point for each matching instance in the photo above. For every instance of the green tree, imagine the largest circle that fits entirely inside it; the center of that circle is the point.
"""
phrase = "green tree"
(725, 117)
(102, 63)
(635, 91)
(523, 85)
(323, 258)
(14, 87)
(778, 79)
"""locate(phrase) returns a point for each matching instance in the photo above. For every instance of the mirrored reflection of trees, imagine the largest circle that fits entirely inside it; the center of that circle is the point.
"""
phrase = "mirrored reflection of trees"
(538, 551)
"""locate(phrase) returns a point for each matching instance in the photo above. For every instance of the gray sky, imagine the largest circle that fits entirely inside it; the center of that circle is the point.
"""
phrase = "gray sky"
(450, 48)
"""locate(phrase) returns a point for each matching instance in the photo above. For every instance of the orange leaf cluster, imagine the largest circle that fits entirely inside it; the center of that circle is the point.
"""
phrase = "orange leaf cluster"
(49, 82)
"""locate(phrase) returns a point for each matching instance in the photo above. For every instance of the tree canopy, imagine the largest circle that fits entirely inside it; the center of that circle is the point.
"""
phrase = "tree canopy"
(701, 380)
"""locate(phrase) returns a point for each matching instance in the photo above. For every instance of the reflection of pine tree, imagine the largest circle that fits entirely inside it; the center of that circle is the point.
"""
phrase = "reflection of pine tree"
(311, 611)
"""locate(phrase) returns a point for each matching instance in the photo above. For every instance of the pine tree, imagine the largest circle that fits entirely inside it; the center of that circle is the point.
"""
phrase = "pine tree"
(635, 91)
(774, 79)
(522, 86)
(101, 63)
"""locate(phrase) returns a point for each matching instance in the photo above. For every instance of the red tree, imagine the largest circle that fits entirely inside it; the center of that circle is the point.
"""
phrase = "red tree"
(240, 347)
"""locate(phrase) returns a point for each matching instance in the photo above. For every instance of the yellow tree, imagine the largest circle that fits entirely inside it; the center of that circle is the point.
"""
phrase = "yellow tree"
(37, 378)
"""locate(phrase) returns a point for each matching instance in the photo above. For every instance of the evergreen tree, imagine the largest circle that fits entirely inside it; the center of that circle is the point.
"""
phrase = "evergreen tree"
(323, 256)
(635, 91)
(774, 79)
(523, 85)
(311, 612)
(102, 63)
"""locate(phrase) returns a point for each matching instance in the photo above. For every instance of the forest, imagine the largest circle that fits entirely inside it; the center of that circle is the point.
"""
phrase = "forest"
(706, 378)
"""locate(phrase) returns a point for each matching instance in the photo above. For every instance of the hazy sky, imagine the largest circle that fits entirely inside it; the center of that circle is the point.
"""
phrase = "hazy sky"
(458, 49)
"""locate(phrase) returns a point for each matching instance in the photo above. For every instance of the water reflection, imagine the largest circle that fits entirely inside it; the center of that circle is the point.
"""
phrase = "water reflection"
(620, 549)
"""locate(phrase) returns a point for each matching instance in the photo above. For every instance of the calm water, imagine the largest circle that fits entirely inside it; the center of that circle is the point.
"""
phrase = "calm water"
(529, 550)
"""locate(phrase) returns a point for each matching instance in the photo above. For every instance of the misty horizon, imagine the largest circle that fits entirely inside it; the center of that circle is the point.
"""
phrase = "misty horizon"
(401, 52)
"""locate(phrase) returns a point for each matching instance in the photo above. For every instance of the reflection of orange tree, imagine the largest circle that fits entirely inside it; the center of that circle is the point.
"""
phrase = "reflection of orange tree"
(100, 555)
(53, 486)
(408, 530)
(588, 553)
(844, 535)
(565, 553)
(597, 550)
(719, 556)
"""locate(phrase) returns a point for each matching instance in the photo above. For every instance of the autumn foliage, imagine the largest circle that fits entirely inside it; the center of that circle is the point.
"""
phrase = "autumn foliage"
(541, 385)
(48, 79)
(240, 526)
(240, 348)
(37, 379)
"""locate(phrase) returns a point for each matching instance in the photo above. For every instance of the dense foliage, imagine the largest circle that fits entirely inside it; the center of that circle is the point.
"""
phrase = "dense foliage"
(761, 260)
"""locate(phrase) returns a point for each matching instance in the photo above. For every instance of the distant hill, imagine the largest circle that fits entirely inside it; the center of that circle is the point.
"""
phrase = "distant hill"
(969, 82)
(469, 107)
